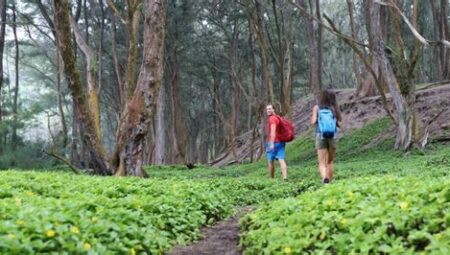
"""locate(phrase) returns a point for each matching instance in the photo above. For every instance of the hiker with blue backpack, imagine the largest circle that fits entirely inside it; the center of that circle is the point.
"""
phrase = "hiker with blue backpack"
(327, 117)
(279, 131)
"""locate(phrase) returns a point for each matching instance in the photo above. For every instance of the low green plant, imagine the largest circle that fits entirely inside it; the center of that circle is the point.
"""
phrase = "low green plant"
(386, 214)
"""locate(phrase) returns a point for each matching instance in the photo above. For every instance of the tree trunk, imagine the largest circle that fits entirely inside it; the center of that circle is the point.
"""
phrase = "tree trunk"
(160, 132)
(14, 138)
(100, 48)
(2, 47)
(134, 17)
(115, 54)
(91, 61)
(356, 70)
(444, 35)
(75, 156)
(178, 134)
(259, 32)
(92, 141)
(404, 112)
(315, 81)
(140, 110)
(60, 99)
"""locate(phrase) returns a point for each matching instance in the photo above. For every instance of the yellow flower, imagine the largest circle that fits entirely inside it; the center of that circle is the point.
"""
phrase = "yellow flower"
(11, 236)
(132, 251)
(350, 194)
(404, 205)
(344, 221)
(75, 230)
(20, 222)
(94, 219)
(287, 250)
(87, 246)
(50, 233)
(29, 193)
(329, 202)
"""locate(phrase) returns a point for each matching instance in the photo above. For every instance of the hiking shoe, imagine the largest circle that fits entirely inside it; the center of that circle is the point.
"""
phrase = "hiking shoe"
(326, 180)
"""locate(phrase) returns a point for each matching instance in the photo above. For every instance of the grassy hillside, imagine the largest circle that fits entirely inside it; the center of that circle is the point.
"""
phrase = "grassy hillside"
(47, 211)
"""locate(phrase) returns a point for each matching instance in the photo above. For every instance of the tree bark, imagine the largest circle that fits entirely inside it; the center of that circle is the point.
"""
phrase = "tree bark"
(259, 32)
(91, 61)
(117, 69)
(404, 112)
(160, 132)
(14, 138)
(59, 98)
(2, 47)
(134, 17)
(315, 81)
(356, 70)
(140, 110)
(92, 141)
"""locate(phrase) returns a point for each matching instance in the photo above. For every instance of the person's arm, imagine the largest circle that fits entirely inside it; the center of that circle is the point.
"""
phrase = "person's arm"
(314, 115)
(273, 128)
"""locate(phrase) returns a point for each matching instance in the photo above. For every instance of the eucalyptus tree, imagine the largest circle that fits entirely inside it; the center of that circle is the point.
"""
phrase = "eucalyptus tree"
(139, 109)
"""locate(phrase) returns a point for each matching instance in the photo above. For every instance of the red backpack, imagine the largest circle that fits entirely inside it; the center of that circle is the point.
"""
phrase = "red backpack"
(286, 131)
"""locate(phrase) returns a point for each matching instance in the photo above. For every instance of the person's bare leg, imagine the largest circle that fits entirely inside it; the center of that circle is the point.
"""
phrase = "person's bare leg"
(271, 169)
(322, 156)
(283, 167)
(330, 165)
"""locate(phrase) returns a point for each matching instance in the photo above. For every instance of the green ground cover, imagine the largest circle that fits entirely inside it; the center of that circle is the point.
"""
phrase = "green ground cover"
(53, 211)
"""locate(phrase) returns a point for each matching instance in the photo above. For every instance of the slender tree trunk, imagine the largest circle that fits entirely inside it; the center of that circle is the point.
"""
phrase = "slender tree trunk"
(178, 134)
(356, 70)
(100, 48)
(319, 44)
(75, 156)
(436, 29)
(134, 17)
(59, 99)
(444, 35)
(92, 141)
(91, 61)
(315, 83)
(259, 32)
(117, 70)
(2, 47)
(14, 138)
(160, 132)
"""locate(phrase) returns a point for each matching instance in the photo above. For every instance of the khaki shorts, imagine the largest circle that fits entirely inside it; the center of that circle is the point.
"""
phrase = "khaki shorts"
(325, 143)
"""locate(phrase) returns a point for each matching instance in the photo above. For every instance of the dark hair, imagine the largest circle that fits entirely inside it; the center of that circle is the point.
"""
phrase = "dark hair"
(273, 106)
(327, 98)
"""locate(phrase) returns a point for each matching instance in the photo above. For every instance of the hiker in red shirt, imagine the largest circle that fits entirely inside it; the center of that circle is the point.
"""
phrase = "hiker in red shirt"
(274, 147)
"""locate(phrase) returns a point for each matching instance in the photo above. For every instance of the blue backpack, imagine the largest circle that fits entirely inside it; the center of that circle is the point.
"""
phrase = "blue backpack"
(326, 123)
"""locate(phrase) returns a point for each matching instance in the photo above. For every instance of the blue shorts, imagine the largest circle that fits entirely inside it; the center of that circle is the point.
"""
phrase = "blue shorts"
(277, 152)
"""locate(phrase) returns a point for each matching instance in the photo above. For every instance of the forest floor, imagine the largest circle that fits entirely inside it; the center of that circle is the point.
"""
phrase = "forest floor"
(219, 239)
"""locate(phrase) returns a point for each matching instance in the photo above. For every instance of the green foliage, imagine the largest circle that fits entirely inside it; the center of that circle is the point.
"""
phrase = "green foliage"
(54, 212)
(408, 214)
(24, 157)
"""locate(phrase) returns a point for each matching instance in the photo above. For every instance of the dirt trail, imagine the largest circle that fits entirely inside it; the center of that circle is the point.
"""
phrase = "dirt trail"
(220, 239)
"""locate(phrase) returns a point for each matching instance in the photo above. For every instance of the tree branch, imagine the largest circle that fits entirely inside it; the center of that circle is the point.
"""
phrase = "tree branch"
(64, 160)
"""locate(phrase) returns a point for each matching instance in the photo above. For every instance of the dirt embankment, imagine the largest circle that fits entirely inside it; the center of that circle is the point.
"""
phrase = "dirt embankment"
(433, 104)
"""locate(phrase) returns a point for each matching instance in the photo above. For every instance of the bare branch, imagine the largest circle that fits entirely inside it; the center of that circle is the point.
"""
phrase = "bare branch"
(416, 34)
(64, 160)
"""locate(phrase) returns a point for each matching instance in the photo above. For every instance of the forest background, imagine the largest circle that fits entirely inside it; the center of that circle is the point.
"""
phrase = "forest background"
(113, 85)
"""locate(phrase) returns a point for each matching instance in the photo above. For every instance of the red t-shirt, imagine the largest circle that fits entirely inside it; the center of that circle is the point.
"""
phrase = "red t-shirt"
(273, 119)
